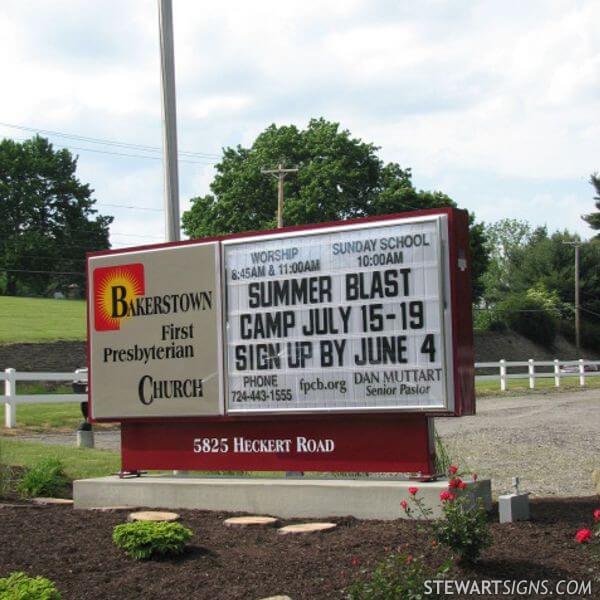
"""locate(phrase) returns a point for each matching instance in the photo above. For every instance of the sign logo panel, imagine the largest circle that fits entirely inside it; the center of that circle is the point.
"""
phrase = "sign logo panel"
(114, 289)
(155, 347)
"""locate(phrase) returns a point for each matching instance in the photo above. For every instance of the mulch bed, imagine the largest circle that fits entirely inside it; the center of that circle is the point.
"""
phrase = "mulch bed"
(74, 548)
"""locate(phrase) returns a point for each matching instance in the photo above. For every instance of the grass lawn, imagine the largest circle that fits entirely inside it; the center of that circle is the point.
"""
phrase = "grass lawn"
(41, 320)
(520, 387)
(78, 462)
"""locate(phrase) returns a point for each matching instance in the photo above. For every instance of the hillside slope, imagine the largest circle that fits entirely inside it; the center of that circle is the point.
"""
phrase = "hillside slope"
(491, 346)
(41, 319)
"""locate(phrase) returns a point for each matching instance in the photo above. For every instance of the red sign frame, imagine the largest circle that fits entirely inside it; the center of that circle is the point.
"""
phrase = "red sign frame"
(373, 443)
(364, 440)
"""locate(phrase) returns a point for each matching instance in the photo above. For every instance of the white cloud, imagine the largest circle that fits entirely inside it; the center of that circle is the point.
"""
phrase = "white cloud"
(506, 91)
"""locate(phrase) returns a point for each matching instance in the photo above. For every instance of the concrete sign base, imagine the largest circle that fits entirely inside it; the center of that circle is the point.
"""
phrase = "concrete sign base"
(286, 498)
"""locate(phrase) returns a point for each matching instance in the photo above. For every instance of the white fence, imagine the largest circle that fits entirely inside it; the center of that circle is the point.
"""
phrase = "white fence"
(538, 369)
(535, 369)
(11, 399)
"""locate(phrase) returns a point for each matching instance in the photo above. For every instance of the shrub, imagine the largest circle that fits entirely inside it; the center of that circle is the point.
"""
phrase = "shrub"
(143, 540)
(529, 316)
(45, 478)
(400, 577)
(489, 319)
(19, 586)
(463, 527)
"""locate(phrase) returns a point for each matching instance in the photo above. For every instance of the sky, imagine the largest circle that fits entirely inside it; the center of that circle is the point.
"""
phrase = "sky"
(494, 103)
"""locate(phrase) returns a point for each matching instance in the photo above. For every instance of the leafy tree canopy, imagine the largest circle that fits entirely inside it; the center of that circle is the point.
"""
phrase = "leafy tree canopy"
(593, 219)
(548, 261)
(339, 177)
(503, 239)
(47, 219)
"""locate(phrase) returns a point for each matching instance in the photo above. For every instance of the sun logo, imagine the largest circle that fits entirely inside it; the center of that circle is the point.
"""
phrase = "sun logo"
(114, 289)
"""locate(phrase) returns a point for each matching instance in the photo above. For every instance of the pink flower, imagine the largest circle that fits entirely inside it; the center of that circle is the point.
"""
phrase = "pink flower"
(355, 562)
(583, 536)
(404, 504)
(453, 470)
(445, 496)
(413, 491)
(597, 515)
(474, 476)
(409, 559)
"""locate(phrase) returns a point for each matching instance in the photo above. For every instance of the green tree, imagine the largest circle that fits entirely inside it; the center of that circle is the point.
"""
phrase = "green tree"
(47, 219)
(547, 262)
(503, 239)
(593, 219)
(339, 177)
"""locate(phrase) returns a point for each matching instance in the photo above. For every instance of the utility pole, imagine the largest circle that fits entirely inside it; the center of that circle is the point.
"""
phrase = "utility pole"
(279, 174)
(577, 245)
(167, 72)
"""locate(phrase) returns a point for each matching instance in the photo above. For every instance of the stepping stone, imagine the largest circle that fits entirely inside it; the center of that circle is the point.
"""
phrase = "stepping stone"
(306, 528)
(52, 501)
(153, 515)
(249, 522)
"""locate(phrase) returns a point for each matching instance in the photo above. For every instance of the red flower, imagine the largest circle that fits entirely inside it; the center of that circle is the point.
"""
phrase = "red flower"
(409, 559)
(413, 491)
(355, 562)
(453, 470)
(404, 504)
(445, 496)
(597, 515)
(462, 485)
(455, 482)
(474, 476)
(583, 536)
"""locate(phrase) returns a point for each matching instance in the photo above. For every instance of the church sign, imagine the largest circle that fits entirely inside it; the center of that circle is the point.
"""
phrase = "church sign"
(311, 348)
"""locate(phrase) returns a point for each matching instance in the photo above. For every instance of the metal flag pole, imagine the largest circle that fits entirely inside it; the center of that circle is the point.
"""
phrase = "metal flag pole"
(167, 72)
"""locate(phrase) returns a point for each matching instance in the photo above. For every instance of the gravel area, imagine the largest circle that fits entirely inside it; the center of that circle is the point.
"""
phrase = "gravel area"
(551, 441)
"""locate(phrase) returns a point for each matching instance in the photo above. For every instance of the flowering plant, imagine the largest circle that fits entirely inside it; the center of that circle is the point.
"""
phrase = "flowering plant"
(463, 526)
(590, 536)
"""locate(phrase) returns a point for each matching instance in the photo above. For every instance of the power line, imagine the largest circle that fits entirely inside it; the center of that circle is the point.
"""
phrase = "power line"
(193, 162)
(107, 142)
(587, 310)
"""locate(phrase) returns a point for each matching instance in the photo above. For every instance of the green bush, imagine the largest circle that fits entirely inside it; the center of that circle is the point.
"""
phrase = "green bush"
(399, 577)
(142, 540)
(463, 528)
(45, 478)
(19, 586)
(488, 319)
(529, 316)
